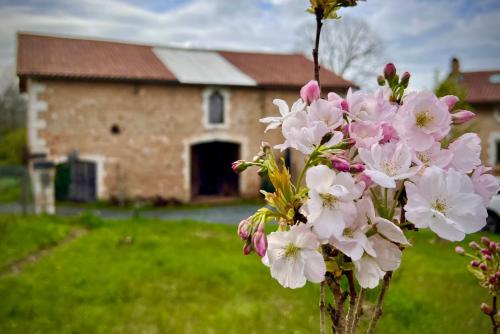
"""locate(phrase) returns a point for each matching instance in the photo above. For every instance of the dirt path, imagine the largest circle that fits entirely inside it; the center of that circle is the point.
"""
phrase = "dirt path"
(16, 267)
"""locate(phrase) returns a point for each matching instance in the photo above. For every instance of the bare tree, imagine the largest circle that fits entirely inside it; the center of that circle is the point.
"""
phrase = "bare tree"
(349, 47)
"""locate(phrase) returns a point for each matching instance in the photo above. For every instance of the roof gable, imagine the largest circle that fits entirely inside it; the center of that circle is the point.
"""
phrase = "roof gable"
(480, 87)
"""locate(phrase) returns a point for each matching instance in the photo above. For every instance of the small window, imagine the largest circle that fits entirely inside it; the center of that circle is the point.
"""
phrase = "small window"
(216, 108)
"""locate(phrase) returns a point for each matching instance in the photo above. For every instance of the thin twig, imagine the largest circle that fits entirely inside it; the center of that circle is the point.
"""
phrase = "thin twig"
(322, 327)
(377, 313)
(315, 51)
(352, 301)
(359, 311)
(492, 316)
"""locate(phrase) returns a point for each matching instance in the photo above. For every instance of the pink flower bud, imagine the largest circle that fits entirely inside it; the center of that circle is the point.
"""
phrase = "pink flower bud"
(462, 116)
(493, 246)
(485, 251)
(244, 229)
(310, 92)
(381, 80)
(474, 245)
(405, 79)
(459, 250)
(485, 241)
(483, 266)
(339, 164)
(486, 309)
(474, 263)
(497, 274)
(488, 258)
(239, 166)
(357, 168)
(492, 279)
(389, 71)
(247, 249)
(450, 101)
(259, 241)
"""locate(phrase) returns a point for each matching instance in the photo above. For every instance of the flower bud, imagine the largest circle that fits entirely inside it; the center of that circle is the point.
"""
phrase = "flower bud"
(474, 245)
(340, 164)
(486, 309)
(483, 266)
(357, 168)
(497, 274)
(405, 79)
(239, 166)
(244, 229)
(485, 241)
(488, 258)
(459, 250)
(381, 80)
(474, 263)
(492, 280)
(486, 252)
(259, 241)
(462, 116)
(345, 144)
(493, 246)
(310, 92)
(389, 71)
(247, 249)
(450, 101)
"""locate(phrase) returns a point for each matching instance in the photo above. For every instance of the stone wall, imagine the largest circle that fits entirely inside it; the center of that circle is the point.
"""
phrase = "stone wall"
(487, 125)
(157, 125)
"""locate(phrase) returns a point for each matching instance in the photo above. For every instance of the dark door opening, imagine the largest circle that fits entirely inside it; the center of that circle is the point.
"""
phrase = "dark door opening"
(76, 181)
(211, 172)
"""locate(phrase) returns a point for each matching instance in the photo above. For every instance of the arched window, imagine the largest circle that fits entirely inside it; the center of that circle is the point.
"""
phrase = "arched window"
(216, 108)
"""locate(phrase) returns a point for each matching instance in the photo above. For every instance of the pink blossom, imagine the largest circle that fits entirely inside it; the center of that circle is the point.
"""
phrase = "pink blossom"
(371, 107)
(244, 229)
(485, 184)
(388, 133)
(366, 134)
(310, 92)
(466, 150)
(422, 119)
(462, 116)
(450, 101)
(326, 112)
(388, 163)
(433, 156)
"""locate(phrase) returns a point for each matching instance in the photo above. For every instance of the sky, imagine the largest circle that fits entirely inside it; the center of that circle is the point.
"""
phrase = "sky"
(419, 36)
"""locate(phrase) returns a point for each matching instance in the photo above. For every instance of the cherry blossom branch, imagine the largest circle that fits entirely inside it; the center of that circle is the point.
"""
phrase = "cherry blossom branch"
(377, 313)
(492, 316)
(352, 301)
(359, 310)
(322, 308)
(315, 51)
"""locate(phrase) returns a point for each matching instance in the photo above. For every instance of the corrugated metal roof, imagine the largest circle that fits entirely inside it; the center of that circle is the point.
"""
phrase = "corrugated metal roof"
(202, 67)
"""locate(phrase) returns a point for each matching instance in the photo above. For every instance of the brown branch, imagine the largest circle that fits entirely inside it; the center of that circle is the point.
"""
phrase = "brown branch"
(315, 51)
(492, 316)
(337, 312)
(322, 308)
(359, 311)
(352, 301)
(377, 313)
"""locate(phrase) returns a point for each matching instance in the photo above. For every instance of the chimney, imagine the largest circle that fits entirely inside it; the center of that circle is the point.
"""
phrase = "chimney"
(455, 66)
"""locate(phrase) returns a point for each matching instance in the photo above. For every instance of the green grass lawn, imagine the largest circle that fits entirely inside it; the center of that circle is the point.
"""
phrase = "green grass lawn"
(188, 277)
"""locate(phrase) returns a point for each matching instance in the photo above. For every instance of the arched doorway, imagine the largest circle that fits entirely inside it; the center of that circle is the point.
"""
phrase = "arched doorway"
(211, 173)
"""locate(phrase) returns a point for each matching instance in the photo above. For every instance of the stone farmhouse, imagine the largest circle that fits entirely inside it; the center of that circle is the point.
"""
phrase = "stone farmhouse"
(482, 89)
(122, 120)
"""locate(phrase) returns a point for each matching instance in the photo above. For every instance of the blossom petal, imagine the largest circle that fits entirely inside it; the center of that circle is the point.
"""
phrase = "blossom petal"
(314, 266)
(381, 179)
(391, 231)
